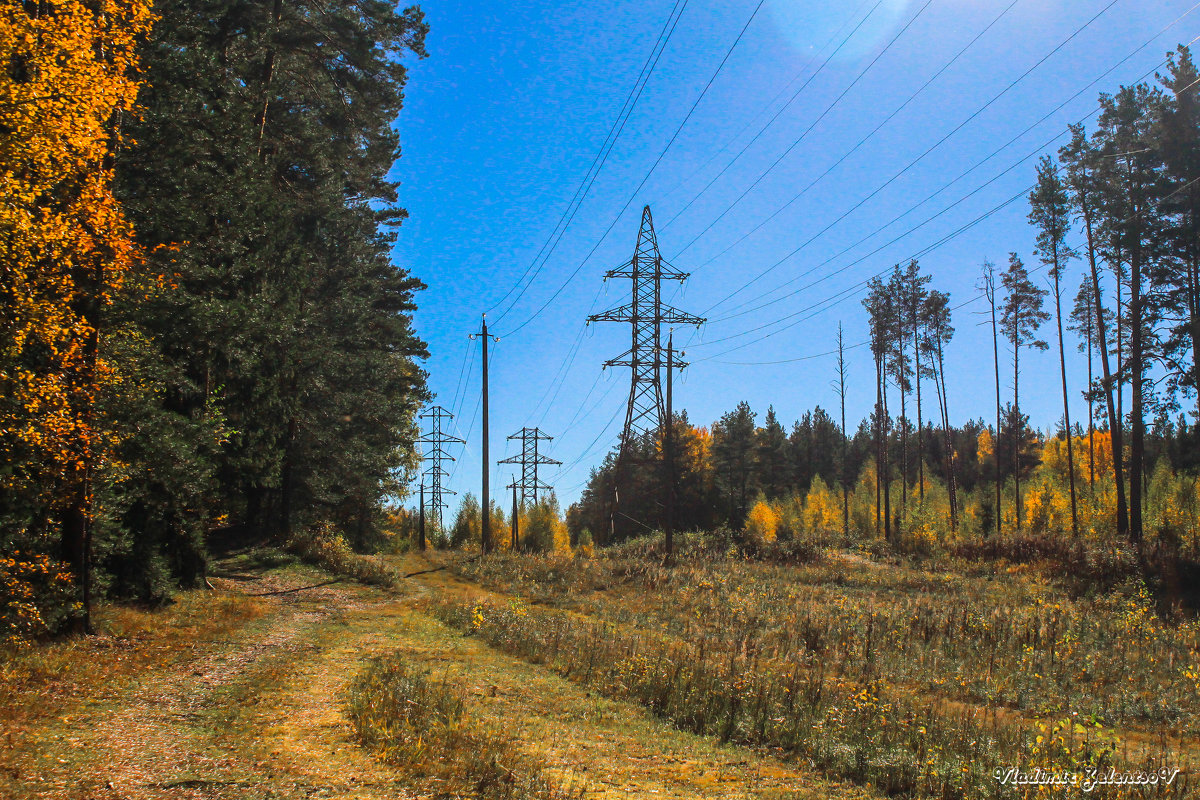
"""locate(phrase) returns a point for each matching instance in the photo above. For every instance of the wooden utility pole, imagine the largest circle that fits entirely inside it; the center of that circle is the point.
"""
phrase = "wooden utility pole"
(486, 510)
(841, 390)
(669, 447)
(516, 521)
(989, 288)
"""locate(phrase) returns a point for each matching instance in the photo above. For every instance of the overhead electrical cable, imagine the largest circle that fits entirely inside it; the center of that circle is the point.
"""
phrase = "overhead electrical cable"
(649, 172)
(919, 158)
(783, 108)
(1036, 151)
(912, 97)
(808, 130)
(766, 108)
(593, 170)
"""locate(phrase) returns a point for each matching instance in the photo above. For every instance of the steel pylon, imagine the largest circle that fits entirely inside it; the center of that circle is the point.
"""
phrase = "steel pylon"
(435, 452)
(529, 485)
(647, 314)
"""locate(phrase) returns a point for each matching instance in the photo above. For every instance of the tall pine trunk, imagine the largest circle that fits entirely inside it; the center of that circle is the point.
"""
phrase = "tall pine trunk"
(1114, 417)
(1091, 414)
(920, 418)
(996, 366)
(1136, 367)
(1062, 362)
(878, 443)
(939, 382)
(1019, 433)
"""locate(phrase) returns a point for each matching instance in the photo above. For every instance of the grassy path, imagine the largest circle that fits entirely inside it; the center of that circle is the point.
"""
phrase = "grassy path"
(255, 710)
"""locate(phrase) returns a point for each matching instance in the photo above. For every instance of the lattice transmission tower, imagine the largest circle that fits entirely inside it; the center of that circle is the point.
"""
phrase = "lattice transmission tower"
(530, 459)
(647, 314)
(436, 440)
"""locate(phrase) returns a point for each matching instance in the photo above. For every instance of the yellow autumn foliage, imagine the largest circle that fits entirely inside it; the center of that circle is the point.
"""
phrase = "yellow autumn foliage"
(822, 511)
(71, 70)
(761, 523)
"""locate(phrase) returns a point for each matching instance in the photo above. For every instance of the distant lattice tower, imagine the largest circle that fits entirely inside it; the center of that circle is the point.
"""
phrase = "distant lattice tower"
(529, 485)
(436, 454)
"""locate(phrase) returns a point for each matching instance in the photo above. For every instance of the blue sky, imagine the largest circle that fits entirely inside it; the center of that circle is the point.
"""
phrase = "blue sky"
(505, 116)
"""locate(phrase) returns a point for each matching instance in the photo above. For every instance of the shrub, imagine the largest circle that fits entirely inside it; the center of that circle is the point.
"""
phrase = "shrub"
(324, 546)
(422, 725)
(761, 524)
(37, 596)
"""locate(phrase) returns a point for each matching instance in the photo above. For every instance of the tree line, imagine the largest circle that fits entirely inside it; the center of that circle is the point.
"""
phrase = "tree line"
(1115, 214)
(200, 326)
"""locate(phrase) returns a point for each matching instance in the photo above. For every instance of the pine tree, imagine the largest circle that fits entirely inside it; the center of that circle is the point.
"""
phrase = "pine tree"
(1021, 317)
(733, 454)
(1079, 158)
(1131, 189)
(936, 333)
(881, 311)
(266, 145)
(843, 477)
(1178, 137)
(1084, 323)
(774, 470)
(1050, 214)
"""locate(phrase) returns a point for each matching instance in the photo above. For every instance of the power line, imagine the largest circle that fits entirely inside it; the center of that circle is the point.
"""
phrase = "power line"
(593, 170)
(786, 360)
(776, 116)
(750, 122)
(1037, 150)
(649, 172)
(809, 129)
(838, 297)
(918, 159)
(867, 138)
(458, 384)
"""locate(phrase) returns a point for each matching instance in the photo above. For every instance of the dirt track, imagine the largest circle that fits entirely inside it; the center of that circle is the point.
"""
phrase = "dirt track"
(257, 714)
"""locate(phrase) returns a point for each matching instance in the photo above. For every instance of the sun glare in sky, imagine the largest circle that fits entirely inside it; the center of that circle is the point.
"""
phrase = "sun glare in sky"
(817, 28)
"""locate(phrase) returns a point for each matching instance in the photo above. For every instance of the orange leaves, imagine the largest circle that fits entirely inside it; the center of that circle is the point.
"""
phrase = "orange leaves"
(66, 244)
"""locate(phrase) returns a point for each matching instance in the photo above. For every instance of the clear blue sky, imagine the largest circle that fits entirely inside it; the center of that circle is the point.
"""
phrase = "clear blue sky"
(505, 116)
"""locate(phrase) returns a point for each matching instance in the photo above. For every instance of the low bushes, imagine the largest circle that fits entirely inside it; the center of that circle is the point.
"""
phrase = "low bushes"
(421, 725)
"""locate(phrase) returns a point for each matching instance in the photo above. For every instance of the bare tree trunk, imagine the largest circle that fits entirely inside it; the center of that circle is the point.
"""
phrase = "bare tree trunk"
(1062, 362)
(1114, 416)
(1193, 301)
(260, 122)
(1091, 416)
(842, 396)
(920, 418)
(903, 434)
(1019, 433)
(991, 292)
(939, 381)
(887, 467)
(878, 443)
(1136, 365)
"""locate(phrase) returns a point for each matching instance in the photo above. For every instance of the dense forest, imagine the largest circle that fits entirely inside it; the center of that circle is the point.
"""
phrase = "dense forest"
(201, 328)
(1114, 233)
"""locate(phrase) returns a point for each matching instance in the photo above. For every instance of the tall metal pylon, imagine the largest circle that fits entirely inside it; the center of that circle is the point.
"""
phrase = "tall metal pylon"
(647, 314)
(529, 485)
(436, 439)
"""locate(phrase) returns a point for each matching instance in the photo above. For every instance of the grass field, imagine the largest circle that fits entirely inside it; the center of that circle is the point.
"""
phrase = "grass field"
(917, 680)
(612, 676)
